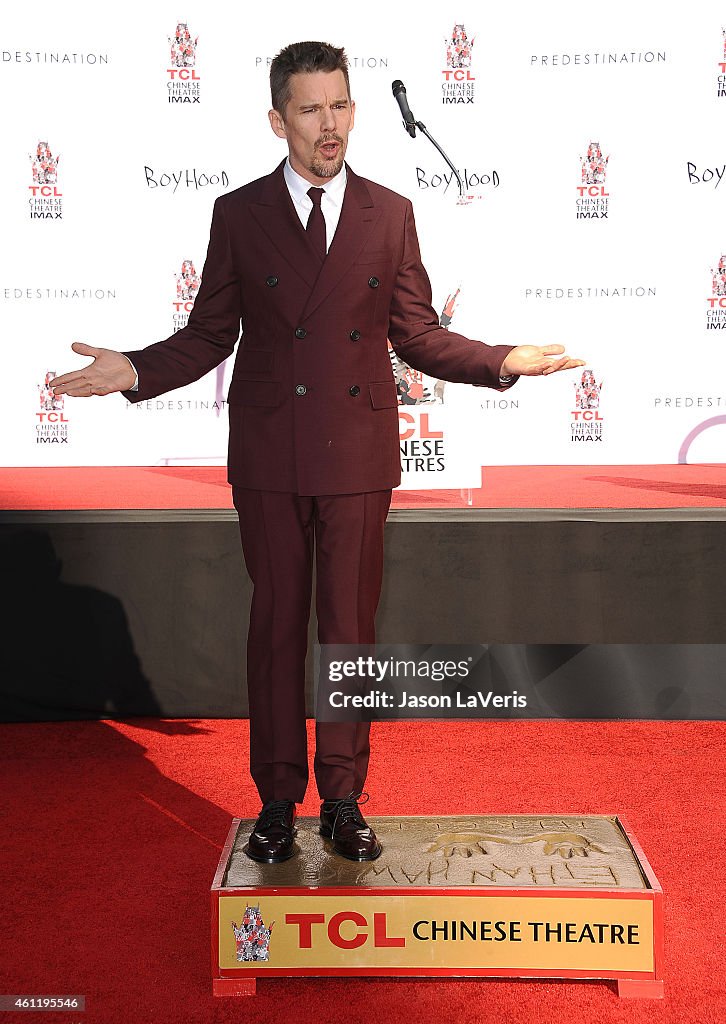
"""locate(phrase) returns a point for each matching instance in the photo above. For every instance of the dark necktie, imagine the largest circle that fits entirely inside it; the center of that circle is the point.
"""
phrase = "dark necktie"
(316, 223)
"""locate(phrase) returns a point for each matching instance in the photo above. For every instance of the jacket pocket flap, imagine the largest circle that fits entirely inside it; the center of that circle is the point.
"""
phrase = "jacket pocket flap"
(254, 392)
(383, 394)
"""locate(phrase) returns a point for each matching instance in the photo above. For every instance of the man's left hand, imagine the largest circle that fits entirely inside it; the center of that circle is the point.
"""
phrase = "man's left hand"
(538, 361)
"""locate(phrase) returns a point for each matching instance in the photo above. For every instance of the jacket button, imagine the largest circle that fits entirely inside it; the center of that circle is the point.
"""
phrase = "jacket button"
(301, 390)
(300, 333)
(355, 390)
(373, 282)
(354, 335)
(271, 281)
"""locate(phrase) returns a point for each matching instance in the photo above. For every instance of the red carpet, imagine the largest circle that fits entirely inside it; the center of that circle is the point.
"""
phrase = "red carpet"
(111, 834)
(173, 487)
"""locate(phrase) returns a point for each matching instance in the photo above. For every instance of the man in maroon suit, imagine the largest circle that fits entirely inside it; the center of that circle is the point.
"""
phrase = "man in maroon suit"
(321, 267)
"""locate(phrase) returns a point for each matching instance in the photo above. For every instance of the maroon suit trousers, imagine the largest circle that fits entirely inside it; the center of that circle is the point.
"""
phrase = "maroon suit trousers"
(281, 533)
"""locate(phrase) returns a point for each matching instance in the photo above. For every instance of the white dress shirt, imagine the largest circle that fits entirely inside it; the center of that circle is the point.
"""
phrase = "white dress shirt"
(331, 202)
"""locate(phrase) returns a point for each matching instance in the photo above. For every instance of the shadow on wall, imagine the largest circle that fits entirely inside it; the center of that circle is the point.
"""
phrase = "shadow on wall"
(615, 681)
(65, 650)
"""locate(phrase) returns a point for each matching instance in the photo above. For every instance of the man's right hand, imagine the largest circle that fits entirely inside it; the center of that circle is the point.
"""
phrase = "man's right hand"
(110, 371)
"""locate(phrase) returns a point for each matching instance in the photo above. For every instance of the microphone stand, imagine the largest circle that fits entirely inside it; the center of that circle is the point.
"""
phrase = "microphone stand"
(411, 124)
(422, 128)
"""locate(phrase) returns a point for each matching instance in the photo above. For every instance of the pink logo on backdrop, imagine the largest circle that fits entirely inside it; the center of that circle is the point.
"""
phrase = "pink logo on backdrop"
(586, 420)
(716, 301)
(49, 401)
(718, 278)
(594, 165)
(51, 422)
(458, 84)
(183, 47)
(46, 199)
(184, 78)
(188, 283)
(587, 391)
(458, 48)
(44, 165)
(592, 196)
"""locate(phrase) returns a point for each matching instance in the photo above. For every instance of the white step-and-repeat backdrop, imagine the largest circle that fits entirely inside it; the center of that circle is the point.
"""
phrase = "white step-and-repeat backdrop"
(590, 140)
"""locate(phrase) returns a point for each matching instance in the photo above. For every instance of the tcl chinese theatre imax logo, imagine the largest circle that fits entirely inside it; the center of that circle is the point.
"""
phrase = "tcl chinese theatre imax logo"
(183, 83)
(716, 302)
(46, 199)
(586, 421)
(188, 283)
(51, 420)
(592, 196)
(458, 83)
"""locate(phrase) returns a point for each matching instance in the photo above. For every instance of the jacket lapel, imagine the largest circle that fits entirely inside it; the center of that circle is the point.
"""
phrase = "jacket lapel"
(357, 218)
(279, 220)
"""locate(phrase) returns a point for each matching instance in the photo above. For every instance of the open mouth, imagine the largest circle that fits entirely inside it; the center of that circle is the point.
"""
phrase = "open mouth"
(329, 149)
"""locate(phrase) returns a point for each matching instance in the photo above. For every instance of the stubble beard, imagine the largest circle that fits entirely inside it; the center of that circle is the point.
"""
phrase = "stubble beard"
(328, 168)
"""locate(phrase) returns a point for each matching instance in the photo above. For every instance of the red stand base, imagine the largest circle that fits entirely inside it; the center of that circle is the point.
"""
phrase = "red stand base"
(234, 987)
(629, 988)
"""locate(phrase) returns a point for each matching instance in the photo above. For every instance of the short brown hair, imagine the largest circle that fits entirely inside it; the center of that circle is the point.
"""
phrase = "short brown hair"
(303, 58)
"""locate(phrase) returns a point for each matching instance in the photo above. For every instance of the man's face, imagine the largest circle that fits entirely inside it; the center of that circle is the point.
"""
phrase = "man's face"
(315, 124)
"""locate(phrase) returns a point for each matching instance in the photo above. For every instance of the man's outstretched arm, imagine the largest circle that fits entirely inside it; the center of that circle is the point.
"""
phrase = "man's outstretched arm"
(206, 341)
(420, 341)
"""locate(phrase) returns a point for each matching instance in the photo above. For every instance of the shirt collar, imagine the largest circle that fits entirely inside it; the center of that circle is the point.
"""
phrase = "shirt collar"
(298, 186)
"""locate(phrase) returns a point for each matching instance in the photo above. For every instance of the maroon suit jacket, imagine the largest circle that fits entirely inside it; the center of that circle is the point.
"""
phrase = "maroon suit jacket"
(313, 407)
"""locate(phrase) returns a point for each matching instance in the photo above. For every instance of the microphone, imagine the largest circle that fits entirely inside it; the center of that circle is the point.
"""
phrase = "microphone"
(409, 121)
(411, 124)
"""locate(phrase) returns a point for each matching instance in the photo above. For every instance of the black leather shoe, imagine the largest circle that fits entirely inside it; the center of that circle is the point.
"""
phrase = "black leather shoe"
(342, 822)
(273, 837)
